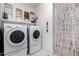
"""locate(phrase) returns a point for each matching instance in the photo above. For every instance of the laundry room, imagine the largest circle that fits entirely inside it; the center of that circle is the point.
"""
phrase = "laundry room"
(26, 29)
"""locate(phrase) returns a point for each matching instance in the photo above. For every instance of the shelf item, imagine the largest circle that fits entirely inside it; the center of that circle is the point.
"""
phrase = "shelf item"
(32, 18)
(18, 14)
(8, 9)
(26, 15)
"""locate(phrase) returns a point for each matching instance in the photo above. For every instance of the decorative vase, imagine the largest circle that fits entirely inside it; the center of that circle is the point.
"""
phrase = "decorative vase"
(5, 16)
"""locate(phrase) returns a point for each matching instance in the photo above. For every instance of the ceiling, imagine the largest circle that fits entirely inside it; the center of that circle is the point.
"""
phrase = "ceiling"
(31, 4)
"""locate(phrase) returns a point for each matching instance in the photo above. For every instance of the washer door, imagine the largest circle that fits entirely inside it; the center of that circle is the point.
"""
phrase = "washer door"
(36, 34)
(16, 37)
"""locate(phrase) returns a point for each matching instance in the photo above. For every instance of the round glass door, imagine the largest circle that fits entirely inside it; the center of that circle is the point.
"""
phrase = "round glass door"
(36, 34)
(17, 36)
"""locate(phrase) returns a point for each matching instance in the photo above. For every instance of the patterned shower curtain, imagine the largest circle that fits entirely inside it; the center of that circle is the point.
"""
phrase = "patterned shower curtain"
(66, 29)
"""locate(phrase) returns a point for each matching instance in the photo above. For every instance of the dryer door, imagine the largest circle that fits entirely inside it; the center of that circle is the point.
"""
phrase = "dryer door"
(36, 35)
(16, 37)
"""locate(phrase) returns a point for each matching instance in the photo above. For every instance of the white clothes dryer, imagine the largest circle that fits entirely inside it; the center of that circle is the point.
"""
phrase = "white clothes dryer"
(34, 39)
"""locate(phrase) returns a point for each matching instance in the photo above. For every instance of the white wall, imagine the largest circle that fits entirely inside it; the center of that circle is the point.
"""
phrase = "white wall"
(44, 13)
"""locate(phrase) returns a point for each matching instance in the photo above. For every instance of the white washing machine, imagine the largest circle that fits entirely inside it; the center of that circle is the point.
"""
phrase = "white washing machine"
(34, 39)
(15, 38)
